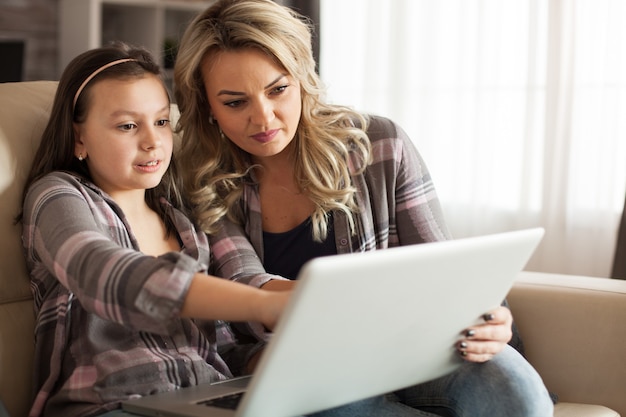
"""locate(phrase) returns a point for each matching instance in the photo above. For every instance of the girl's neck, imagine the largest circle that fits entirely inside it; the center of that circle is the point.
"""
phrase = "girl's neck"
(133, 203)
(145, 224)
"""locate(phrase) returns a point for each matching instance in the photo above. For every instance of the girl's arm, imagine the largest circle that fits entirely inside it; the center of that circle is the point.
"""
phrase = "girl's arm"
(214, 298)
(73, 238)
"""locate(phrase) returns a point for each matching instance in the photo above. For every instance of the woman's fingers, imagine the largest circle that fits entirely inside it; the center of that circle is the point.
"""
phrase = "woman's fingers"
(482, 342)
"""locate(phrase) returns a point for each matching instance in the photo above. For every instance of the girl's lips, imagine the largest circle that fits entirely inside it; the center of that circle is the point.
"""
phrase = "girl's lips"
(265, 136)
(150, 166)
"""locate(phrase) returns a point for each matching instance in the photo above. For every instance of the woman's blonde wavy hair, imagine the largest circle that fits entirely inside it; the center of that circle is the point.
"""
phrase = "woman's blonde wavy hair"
(214, 169)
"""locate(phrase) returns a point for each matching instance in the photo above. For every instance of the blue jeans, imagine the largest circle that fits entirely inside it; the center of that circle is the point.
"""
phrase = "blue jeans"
(505, 386)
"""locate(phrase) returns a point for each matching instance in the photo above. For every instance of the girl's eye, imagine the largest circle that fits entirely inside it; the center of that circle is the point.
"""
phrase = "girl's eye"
(127, 126)
(162, 122)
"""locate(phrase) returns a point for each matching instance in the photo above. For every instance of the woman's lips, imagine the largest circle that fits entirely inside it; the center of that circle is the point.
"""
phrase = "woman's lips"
(267, 136)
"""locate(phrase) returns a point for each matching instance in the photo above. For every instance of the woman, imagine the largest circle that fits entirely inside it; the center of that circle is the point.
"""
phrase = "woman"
(306, 178)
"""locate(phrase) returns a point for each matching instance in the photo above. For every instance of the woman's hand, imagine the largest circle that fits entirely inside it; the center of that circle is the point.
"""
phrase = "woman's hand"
(482, 342)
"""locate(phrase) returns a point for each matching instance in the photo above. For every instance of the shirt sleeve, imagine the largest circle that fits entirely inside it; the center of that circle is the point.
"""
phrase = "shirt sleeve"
(234, 258)
(73, 238)
(405, 192)
(418, 209)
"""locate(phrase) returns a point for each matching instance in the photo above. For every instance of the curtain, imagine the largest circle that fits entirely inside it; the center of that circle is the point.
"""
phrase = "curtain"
(518, 108)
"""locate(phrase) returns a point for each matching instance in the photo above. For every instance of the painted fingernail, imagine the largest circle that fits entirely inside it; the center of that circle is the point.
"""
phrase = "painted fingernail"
(470, 333)
(463, 353)
(488, 317)
(462, 345)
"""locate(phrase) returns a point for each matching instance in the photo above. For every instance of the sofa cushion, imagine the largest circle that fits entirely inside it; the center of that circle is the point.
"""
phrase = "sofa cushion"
(583, 410)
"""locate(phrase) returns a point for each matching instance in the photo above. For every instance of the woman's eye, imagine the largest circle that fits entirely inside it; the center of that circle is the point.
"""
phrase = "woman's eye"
(234, 103)
(280, 89)
(162, 122)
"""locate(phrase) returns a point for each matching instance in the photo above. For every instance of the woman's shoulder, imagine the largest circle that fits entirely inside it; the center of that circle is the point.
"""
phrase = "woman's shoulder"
(384, 138)
(381, 127)
(387, 138)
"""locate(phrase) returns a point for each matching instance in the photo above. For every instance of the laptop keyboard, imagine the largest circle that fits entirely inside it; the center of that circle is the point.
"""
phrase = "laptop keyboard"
(230, 401)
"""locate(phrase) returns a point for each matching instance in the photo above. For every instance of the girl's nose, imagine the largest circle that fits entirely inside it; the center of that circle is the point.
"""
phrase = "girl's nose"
(151, 139)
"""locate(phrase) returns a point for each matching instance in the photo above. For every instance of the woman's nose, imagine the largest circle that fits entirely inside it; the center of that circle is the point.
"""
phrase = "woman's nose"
(262, 113)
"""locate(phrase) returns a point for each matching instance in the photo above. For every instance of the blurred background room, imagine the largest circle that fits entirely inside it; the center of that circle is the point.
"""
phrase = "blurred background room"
(517, 106)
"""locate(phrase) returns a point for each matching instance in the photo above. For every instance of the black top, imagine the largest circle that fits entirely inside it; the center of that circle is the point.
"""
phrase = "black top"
(286, 252)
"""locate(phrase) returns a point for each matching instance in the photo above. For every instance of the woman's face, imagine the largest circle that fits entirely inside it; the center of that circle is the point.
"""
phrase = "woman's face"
(126, 137)
(255, 102)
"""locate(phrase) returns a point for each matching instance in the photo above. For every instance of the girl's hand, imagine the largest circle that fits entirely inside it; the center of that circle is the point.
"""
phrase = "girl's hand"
(272, 307)
(482, 342)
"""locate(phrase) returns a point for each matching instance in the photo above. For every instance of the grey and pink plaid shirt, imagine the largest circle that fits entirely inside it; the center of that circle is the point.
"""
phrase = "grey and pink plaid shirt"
(107, 325)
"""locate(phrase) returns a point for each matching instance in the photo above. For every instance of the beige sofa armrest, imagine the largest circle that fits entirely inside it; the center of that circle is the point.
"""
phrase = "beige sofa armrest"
(574, 333)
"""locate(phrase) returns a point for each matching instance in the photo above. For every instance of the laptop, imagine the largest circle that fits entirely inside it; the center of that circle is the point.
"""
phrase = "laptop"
(364, 324)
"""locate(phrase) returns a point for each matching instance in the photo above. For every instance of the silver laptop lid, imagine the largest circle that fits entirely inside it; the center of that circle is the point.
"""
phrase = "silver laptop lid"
(364, 324)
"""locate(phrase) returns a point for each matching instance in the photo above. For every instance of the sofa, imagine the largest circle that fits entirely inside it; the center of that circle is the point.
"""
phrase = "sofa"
(573, 328)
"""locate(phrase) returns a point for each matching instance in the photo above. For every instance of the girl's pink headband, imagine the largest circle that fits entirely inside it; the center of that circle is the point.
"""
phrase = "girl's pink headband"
(96, 72)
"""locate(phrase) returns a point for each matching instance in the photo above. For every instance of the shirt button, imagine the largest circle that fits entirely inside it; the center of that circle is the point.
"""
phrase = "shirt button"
(343, 242)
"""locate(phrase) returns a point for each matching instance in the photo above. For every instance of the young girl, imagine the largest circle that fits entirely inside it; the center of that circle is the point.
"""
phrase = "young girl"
(117, 269)
(307, 178)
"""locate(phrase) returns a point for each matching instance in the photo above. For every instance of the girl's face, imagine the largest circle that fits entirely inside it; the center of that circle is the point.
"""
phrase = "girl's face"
(126, 137)
(255, 102)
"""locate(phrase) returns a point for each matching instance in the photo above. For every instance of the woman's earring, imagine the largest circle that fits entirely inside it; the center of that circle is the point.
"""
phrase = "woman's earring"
(221, 133)
(211, 119)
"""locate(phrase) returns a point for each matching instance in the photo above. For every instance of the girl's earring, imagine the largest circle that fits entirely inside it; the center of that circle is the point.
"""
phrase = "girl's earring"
(80, 157)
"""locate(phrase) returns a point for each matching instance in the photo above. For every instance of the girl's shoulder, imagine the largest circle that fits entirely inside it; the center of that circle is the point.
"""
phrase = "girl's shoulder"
(60, 182)
(60, 178)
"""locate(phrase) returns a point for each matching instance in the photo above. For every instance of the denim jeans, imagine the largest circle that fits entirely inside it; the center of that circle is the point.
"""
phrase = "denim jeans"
(505, 386)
